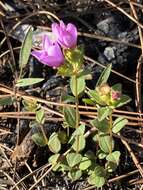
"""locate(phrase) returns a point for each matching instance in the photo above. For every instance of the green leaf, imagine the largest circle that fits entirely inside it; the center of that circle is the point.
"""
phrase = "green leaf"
(6, 101)
(101, 155)
(117, 87)
(103, 112)
(73, 159)
(68, 99)
(123, 100)
(86, 73)
(102, 126)
(30, 105)
(114, 157)
(88, 101)
(104, 75)
(96, 97)
(26, 48)
(39, 139)
(79, 143)
(54, 143)
(97, 177)
(118, 124)
(28, 81)
(99, 171)
(80, 83)
(85, 163)
(54, 158)
(89, 154)
(63, 137)
(96, 180)
(65, 70)
(70, 116)
(40, 116)
(106, 143)
(79, 131)
(75, 174)
(111, 166)
(64, 167)
(75, 57)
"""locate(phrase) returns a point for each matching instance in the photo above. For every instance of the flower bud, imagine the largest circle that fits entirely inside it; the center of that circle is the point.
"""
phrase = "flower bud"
(115, 95)
(66, 34)
(103, 89)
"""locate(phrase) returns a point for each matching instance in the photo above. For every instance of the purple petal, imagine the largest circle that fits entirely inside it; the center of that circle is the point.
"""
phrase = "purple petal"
(53, 57)
(72, 30)
(62, 25)
(55, 51)
(53, 61)
(56, 30)
(68, 41)
(39, 54)
(46, 43)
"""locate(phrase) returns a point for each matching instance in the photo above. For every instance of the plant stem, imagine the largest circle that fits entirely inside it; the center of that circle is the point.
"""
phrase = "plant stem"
(110, 131)
(77, 112)
(44, 135)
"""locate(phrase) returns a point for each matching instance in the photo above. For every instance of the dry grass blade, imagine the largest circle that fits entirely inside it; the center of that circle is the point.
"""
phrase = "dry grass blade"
(124, 12)
(135, 160)
(113, 71)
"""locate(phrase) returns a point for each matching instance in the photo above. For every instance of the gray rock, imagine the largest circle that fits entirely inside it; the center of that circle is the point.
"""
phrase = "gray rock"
(109, 53)
(109, 27)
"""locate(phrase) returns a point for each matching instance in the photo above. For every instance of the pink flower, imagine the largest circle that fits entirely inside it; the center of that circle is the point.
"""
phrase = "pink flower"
(50, 54)
(66, 34)
(116, 95)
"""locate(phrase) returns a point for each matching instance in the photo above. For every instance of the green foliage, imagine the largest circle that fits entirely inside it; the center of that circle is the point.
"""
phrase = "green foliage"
(6, 101)
(70, 116)
(85, 163)
(113, 161)
(65, 70)
(68, 99)
(102, 126)
(26, 49)
(123, 100)
(118, 124)
(54, 158)
(88, 101)
(30, 105)
(79, 143)
(101, 155)
(79, 160)
(75, 57)
(74, 174)
(62, 137)
(104, 75)
(117, 87)
(80, 85)
(113, 157)
(96, 97)
(73, 159)
(79, 131)
(39, 139)
(54, 143)
(103, 112)
(111, 166)
(28, 81)
(106, 142)
(73, 62)
(97, 177)
(40, 116)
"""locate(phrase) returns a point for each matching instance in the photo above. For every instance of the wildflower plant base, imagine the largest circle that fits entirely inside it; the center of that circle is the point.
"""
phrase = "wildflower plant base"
(77, 161)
